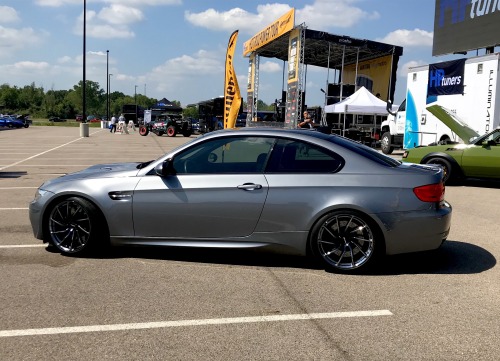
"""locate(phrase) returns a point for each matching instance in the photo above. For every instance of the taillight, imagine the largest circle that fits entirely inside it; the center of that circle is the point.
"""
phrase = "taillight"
(430, 192)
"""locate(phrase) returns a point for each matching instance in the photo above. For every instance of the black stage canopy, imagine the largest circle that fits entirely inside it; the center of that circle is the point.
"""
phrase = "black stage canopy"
(327, 50)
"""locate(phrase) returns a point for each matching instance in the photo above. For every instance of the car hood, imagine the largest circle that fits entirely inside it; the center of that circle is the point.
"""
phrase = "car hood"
(459, 127)
(111, 170)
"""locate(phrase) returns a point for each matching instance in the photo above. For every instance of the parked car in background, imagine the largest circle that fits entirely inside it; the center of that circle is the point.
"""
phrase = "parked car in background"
(299, 191)
(93, 119)
(56, 119)
(10, 121)
(478, 159)
(79, 118)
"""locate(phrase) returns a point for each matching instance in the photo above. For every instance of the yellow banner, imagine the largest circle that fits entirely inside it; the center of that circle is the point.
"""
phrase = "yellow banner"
(271, 32)
(374, 75)
(232, 96)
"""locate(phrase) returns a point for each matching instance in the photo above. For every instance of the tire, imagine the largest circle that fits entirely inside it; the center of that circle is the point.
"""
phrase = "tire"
(143, 130)
(171, 132)
(187, 133)
(385, 143)
(345, 241)
(26, 125)
(74, 226)
(160, 134)
(449, 174)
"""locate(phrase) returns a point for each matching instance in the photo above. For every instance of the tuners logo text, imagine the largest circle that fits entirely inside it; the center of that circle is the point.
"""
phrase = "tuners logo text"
(438, 78)
(462, 10)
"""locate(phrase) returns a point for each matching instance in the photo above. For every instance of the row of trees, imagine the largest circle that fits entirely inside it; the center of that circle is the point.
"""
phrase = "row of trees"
(66, 104)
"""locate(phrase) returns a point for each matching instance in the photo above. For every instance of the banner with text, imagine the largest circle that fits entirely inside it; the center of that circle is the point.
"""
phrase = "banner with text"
(232, 96)
(446, 78)
(270, 33)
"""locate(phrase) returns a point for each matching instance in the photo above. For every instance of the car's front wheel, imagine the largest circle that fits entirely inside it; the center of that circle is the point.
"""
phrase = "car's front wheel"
(345, 241)
(74, 225)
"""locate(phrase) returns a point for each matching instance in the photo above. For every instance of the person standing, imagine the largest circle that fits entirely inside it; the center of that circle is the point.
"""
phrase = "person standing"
(112, 129)
(308, 122)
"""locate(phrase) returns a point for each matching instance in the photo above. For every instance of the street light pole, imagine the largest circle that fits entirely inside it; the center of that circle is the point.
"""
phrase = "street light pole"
(107, 85)
(135, 98)
(84, 115)
(109, 96)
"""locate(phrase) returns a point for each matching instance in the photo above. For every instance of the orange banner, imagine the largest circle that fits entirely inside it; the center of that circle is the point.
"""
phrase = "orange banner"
(232, 96)
(270, 33)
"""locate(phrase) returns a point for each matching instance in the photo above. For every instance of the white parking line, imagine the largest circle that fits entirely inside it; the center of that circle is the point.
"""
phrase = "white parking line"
(23, 245)
(185, 323)
(8, 188)
(36, 155)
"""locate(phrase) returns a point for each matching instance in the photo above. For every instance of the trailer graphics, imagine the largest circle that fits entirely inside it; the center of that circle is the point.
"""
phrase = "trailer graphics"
(446, 78)
(477, 106)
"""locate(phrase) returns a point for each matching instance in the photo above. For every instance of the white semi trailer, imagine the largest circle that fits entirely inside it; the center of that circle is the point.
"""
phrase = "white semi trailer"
(478, 106)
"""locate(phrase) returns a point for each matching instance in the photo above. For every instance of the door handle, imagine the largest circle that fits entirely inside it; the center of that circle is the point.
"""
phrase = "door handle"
(250, 186)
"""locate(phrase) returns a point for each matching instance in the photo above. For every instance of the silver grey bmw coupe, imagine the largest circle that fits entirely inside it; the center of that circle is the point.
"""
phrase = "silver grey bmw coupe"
(297, 191)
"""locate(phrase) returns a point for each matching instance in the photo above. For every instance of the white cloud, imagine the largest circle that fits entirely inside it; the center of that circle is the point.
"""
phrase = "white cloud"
(58, 3)
(186, 72)
(403, 69)
(14, 39)
(228, 20)
(327, 14)
(409, 38)
(270, 67)
(202, 63)
(97, 29)
(120, 15)
(8, 15)
(322, 14)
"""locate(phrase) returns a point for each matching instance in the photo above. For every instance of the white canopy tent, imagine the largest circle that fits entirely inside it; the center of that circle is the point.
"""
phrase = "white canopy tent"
(361, 102)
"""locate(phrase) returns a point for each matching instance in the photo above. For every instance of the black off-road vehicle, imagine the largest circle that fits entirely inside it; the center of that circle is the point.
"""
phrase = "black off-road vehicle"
(171, 125)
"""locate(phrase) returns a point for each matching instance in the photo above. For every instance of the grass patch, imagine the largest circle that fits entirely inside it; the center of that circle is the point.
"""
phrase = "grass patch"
(69, 123)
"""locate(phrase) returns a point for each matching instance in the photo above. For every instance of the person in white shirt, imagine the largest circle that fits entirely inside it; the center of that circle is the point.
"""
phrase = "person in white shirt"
(113, 124)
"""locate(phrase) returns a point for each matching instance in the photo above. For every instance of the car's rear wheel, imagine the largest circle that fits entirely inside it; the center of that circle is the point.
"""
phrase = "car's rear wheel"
(143, 130)
(345, 241)
(448, 175)
(171, 132)
(73, 226)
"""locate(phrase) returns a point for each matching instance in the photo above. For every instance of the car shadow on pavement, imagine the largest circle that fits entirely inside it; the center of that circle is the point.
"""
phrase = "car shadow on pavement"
(233, 257)
(452, 257)
(477, 183)
(12, 174)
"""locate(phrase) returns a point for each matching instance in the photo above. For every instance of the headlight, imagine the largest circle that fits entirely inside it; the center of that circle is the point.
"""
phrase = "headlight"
(39, 194)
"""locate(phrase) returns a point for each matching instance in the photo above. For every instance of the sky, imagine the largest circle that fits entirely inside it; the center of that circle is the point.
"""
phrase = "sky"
(175, 49)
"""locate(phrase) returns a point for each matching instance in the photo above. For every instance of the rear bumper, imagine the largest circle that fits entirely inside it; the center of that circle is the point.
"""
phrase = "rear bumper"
(417, 231)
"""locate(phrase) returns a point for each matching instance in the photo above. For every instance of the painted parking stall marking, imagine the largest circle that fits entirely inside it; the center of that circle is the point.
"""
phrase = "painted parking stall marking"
(187, 323)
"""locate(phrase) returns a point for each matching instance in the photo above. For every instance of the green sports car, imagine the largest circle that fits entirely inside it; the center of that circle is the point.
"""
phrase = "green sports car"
(478, 159)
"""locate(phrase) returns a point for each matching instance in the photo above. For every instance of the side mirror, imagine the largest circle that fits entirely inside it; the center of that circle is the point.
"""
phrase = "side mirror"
(165, 168)
(389, 108)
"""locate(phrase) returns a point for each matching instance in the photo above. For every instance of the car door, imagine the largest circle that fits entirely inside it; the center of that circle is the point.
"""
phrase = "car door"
(218, 191)
(483, 158)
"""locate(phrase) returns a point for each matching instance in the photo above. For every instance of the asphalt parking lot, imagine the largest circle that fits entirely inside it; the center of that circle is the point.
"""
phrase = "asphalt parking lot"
(168, 304)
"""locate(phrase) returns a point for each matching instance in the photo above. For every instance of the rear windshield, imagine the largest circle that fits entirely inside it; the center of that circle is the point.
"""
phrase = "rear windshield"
(363, 150)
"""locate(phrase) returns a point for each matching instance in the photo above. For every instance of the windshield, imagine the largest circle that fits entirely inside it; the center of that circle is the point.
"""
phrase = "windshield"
(493, 136)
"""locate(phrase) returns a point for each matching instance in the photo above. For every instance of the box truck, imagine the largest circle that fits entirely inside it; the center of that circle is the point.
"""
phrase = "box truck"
(468, 88)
